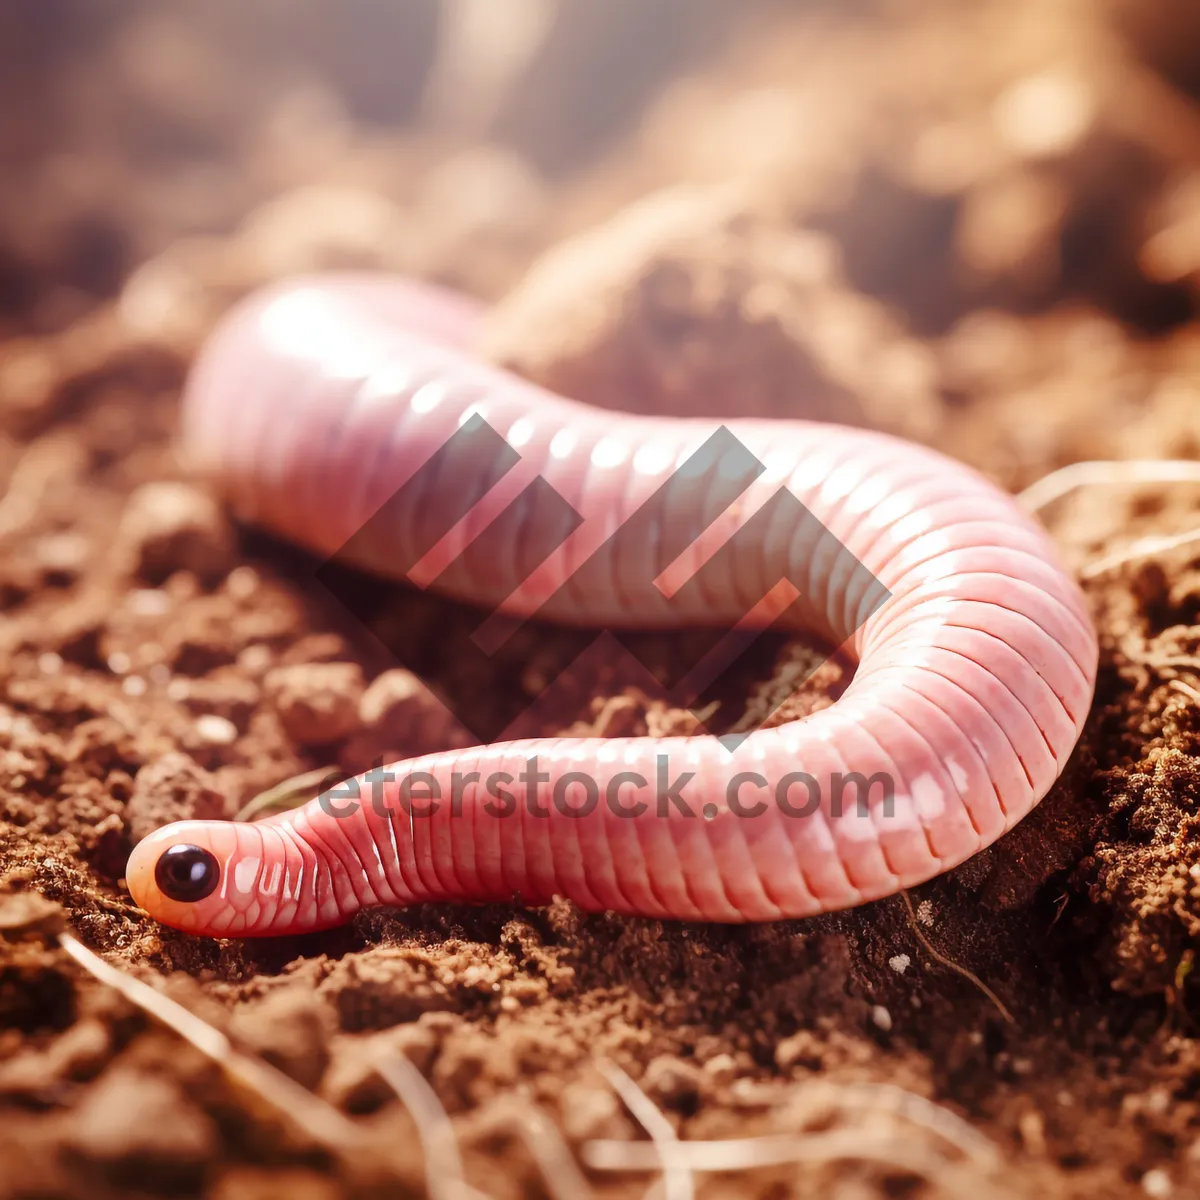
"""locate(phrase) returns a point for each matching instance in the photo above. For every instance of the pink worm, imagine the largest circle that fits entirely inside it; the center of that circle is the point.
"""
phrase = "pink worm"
(316, 400)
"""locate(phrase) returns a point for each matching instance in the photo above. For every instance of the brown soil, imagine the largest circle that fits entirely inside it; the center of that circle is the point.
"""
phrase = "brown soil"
(974, 224)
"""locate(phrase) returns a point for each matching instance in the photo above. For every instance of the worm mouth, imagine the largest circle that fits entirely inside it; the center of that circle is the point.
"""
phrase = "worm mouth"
(186, 873)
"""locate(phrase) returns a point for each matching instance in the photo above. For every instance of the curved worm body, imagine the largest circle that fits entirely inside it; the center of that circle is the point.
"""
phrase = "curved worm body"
(319, 407)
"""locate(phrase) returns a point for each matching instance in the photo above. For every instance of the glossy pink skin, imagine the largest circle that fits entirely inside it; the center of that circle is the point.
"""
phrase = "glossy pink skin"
(973, 683)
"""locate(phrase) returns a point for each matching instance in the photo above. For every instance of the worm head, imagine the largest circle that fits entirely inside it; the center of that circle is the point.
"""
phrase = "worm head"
(194, 875)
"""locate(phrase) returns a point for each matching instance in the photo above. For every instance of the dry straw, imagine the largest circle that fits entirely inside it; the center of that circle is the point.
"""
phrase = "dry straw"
(674, 1161)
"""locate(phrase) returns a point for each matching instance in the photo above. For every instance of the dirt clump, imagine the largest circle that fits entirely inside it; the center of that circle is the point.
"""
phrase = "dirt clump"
(690, 303)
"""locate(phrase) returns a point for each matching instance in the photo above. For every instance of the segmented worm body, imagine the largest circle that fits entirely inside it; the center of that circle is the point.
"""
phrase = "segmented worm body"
(322, 408)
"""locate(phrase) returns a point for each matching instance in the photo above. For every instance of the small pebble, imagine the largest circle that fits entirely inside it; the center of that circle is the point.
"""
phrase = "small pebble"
(393, 700)
(50, 663)
(1032, 1129)
(317, 703)
(399, 714)
(590, 1112)
(135, 1117)
(881, 1018)
(216, 731)
(672, 1081)
(119, 662)
(167, 527)
(29, 912)
(63, 554)
(1157, 1183)
(242, 582)
(149, 602)
(134, 685)
(722, 1068)
(899, 963)
(27, 377)
(255, 658)
(172, 788)
(1045, 114)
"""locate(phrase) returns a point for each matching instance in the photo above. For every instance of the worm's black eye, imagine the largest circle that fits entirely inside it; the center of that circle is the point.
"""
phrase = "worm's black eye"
(186, 873)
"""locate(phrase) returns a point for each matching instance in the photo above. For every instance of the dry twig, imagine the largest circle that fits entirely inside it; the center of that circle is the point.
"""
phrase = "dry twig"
(1139, 551)
(483, 49)
(548, 1148)
(743, 1154)
(444, 1175)
(817, 1148)
(320, 1121)
(1116, 473)
(291, 793)
(918, 1111)
(677, 1179)
(951, 964)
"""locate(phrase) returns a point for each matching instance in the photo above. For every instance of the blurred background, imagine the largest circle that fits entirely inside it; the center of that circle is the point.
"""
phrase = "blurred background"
(873, 191)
